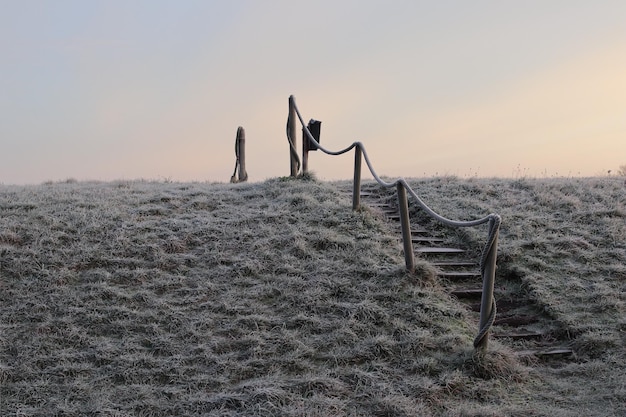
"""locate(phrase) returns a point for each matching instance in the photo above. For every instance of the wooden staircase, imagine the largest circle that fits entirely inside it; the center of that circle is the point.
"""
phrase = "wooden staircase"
(519, 323)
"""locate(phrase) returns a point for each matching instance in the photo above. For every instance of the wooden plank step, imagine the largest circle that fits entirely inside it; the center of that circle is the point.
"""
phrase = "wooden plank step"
(418, 239)
(504, 305)
(365, 193)
(415, 228)
(467, 292)
(520, 334)
(455, 264)
(548, 352)
(459, 274)
(517, 320)
(437, 251)
(383, 206)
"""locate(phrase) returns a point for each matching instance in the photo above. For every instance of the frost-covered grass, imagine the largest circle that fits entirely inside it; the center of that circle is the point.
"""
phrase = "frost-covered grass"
(564, 241)
(140, 298)
(564, 238)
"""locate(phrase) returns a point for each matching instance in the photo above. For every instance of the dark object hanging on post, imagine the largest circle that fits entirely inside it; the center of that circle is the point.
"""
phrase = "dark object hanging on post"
(240, 154)
(309, 145)
(314, 127)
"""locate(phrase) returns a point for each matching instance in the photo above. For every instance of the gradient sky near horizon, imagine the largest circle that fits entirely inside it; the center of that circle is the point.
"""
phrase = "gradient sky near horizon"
(152, 89)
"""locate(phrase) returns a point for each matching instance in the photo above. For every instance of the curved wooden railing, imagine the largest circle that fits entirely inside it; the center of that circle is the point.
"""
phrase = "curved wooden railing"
(489, 253)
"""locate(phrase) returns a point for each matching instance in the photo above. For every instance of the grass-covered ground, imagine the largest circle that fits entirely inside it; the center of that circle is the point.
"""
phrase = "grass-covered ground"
(153, 299)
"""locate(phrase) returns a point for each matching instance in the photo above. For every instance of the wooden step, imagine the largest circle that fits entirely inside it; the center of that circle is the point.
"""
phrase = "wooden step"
(455, 264)
(517, 320)
(520, 334)
(467, 292)
(438, 251)
(560, 351)
(415, 228)
(459, 274)
(419, 239)
(505, 305)
(381, 204)
(369, 194)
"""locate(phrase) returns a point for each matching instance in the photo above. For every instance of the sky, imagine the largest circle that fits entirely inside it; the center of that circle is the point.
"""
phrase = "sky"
(153, 89)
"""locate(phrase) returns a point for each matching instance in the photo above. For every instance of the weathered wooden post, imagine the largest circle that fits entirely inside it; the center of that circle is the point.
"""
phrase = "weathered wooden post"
(240, 154)
(487, 304)
(291, 136)
(241, 142)
(403, 202)
(356, 186)
(305, 152)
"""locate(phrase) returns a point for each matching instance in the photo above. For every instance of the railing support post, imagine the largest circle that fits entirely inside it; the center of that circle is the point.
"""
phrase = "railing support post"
(489, 277)
(403, 202)
(292, 135)
(241, 145)
(240, 154)
(305, 154)
(356, 188)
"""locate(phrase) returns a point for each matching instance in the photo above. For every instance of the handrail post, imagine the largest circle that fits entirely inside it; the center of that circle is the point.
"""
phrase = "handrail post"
(305, 152)
(292, 135)
(241, 146)
(240, 157)
(356, 188)
(489, 277)
(406, 227)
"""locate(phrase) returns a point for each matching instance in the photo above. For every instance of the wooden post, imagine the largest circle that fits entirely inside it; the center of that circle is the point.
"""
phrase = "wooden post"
(291, 132)
(241, 146)
(305, 152)
(356, 188)
(403, 202)
(489, 278)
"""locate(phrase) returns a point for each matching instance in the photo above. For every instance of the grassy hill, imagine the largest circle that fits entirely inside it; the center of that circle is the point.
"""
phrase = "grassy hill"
(159, 299)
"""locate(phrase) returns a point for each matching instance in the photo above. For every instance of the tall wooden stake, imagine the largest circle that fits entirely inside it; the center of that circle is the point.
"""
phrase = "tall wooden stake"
(240, 154)
(305, 153)
(486, 303)
(356, 186)
(403, 202)
(292, 135)
(241, 145)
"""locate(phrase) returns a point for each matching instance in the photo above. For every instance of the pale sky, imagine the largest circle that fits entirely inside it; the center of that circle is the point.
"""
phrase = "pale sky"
(152, 89)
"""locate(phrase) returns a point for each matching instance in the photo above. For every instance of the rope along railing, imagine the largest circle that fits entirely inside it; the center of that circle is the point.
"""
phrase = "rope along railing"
(489, 253)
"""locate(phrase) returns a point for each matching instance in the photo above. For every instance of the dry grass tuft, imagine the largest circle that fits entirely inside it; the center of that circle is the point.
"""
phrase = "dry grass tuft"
(495, 364)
